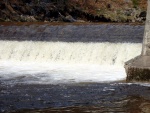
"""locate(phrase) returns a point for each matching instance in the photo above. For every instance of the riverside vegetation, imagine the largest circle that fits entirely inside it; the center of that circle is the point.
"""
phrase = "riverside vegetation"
(73, 10)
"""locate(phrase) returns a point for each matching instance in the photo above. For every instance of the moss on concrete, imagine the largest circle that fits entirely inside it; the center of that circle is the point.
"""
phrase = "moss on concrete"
(138, 74)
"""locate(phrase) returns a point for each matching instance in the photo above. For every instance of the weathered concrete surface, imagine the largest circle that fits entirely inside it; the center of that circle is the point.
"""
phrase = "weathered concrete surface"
(139, 68)
(146, 40)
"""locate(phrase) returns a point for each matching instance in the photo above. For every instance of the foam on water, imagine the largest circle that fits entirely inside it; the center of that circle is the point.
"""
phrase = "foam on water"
(59, 73)
(60, 62)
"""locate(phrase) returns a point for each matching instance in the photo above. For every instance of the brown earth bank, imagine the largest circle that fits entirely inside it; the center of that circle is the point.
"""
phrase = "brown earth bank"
(73, 11)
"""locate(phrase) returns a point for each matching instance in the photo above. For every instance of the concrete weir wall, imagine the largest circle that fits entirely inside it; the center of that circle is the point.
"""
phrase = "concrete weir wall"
(138, 69)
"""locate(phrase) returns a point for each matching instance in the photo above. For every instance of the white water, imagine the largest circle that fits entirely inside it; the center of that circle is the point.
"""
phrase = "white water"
(60, 62)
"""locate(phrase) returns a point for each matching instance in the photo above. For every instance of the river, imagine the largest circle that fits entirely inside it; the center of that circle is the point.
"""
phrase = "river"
(70, 68)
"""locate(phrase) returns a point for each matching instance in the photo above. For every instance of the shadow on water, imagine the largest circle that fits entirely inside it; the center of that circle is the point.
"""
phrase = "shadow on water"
(76, 98)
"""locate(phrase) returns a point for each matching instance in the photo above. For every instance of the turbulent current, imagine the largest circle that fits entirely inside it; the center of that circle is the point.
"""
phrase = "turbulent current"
(70, 68)
(55, 62)
(52, 54)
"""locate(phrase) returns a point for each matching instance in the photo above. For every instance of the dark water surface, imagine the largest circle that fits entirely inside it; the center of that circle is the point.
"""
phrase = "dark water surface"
(103, 32)
(75, 98)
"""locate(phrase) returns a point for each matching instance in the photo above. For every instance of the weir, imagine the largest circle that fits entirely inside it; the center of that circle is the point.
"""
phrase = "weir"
(138, 69)
(52, 54)
(84, 44)
(62, 52)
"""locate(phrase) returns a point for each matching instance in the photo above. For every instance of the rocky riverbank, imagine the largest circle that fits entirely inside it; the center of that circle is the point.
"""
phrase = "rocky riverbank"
(73, 10)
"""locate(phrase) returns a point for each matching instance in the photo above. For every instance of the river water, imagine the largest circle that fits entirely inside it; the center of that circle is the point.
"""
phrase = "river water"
(70, 68)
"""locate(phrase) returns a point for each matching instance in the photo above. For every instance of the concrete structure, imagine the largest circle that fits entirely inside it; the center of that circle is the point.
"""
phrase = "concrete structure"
(138, 69)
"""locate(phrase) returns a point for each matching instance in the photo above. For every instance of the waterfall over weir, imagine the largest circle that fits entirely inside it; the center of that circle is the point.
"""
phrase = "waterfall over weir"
(64, 54)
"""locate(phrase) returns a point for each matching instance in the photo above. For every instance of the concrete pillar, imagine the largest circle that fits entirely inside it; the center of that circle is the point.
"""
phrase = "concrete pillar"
(138, 69)
(146, 38)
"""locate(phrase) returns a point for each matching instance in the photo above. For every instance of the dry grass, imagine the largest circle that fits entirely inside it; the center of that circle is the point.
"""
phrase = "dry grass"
(99, 6)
